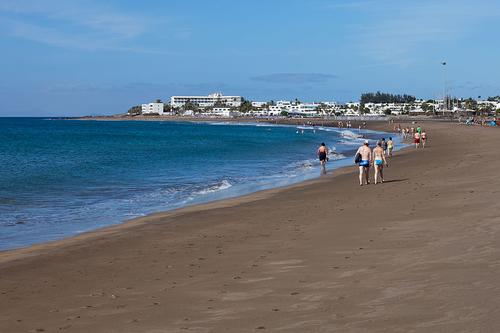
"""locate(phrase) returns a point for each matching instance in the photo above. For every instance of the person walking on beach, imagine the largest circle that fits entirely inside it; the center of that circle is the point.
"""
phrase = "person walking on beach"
(424, 138)
(364, 165)
(322, 155)
(416, 139)
(384, 145)
(378, 162)
(390, 146)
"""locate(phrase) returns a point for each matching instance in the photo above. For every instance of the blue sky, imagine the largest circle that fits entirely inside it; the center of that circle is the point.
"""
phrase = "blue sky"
(100, 57)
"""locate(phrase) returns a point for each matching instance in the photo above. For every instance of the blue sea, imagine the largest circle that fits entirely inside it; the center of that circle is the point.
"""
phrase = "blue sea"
(62, 177)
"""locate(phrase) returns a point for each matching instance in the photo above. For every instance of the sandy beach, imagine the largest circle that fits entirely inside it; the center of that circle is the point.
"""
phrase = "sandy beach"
(419, 253)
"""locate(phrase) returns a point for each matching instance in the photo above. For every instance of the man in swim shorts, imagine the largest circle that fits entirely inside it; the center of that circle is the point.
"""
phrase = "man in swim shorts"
(364, 164)
(379, 161)
(322, 155)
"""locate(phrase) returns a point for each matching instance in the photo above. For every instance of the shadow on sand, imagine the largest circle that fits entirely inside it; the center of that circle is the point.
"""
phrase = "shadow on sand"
(395, 180)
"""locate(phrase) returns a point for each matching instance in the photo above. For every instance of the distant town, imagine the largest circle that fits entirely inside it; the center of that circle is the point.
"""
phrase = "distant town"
(370, 105)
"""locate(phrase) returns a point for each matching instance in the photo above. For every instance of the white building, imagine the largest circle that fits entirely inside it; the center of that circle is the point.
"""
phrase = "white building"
(305, 109)
(205, 101)
(351, 113)
(283, 104)
(493, 104)
(274, 113)
(222, 112)
(330, 105)
(275, 109)
(152, 108)
(258, 104)
(294, 108)
(416, 112)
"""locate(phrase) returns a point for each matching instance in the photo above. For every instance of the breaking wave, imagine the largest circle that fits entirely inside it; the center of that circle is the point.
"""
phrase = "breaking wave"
(222, 185)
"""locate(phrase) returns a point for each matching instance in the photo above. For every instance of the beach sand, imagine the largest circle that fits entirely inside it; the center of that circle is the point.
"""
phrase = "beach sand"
(419, 253)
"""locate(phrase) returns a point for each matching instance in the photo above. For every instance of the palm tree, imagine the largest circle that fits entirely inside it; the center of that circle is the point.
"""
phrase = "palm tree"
(245, 106)
(135, 110)
(190, 106)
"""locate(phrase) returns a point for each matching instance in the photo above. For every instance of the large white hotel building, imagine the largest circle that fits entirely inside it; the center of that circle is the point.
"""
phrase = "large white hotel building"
(204, 101)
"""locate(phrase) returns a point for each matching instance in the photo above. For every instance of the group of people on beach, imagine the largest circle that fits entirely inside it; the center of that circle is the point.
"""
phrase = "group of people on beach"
(346, 124)
(377, 157)
(418, 134)
(366, 157)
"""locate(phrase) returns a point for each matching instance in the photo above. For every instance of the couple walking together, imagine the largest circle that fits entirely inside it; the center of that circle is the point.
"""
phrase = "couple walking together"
(365, 157)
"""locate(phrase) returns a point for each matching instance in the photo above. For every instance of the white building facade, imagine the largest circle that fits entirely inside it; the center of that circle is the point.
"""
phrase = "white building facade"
(206, 101)
(152, 108)
(294, 108)
(259, 104)
(222, 112)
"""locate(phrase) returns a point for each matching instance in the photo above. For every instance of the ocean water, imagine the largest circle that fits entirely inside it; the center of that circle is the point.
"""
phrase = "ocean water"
(62, 177)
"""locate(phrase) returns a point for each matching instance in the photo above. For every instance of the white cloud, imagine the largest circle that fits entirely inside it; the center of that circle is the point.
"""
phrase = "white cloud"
(82, 25)
(350, 5)
(92, 16)
(294, 78)
(394, 31)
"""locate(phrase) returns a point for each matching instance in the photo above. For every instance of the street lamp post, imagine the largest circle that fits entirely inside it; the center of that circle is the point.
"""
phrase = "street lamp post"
(444, 87)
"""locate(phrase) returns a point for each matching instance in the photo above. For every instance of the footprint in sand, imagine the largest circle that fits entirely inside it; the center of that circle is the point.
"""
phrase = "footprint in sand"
(285, 265)
(258, 279)
(286, 262)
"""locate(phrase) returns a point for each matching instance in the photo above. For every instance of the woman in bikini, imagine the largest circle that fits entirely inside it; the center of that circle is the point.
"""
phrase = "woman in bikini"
(379, 161)
(416, 139)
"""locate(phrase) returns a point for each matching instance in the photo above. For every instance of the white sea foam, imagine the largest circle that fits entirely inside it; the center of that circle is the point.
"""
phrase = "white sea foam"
(350, 134)
(305, 127)
(220, 123)
(223, 185)
(333, 155)
(265, 125)
(349, 142)
(326, 129)
(230, 123)
(306, 164)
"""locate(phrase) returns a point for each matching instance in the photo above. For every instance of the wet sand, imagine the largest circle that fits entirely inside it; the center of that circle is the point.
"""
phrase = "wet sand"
(419, 253)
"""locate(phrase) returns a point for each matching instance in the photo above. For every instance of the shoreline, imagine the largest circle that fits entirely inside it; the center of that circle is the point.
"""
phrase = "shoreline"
(317, 121)
(12, 254)
(304, 178)
(422, 256)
